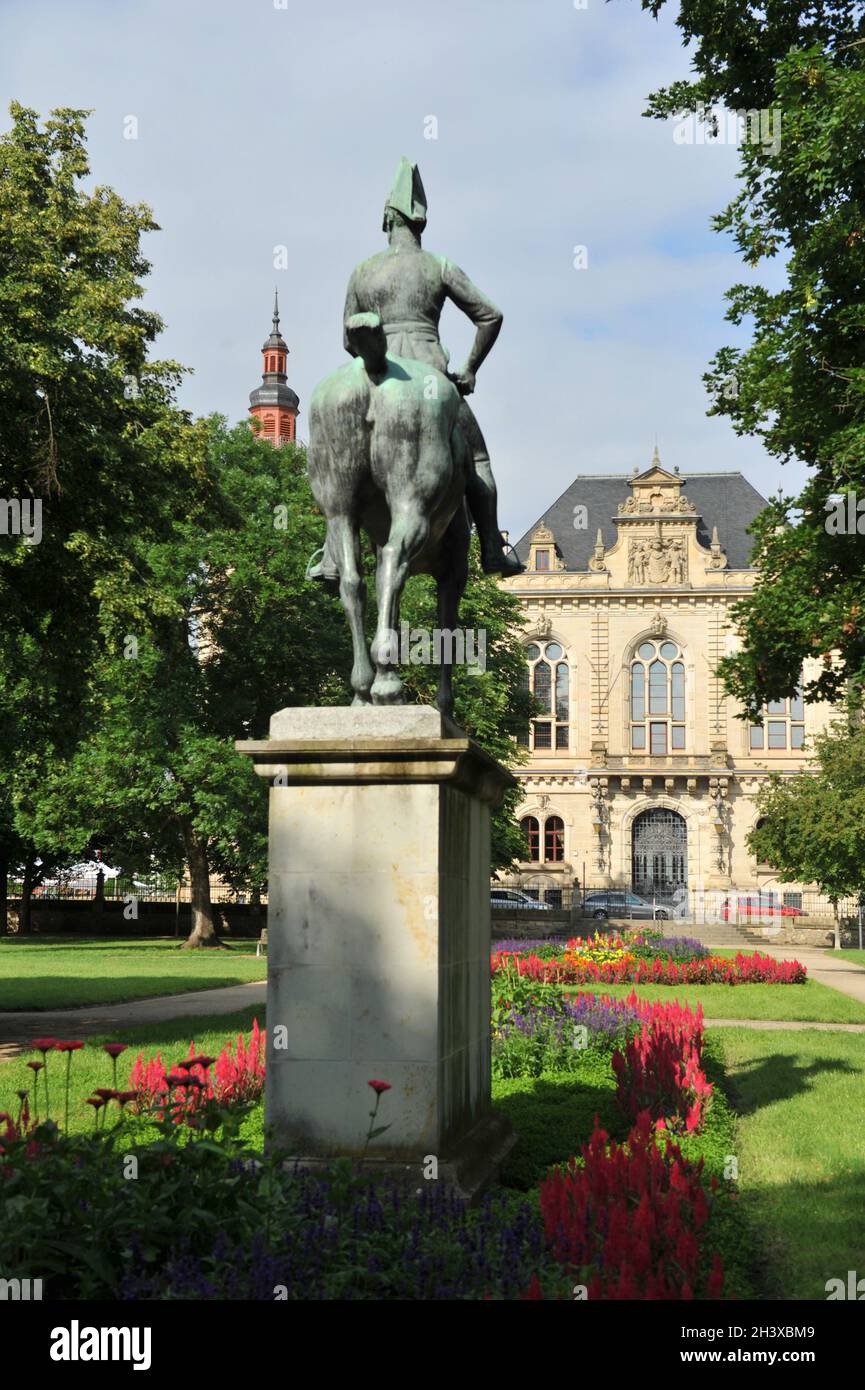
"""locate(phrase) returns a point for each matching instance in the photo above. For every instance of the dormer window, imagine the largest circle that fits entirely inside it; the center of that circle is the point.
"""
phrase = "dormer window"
(543, 554)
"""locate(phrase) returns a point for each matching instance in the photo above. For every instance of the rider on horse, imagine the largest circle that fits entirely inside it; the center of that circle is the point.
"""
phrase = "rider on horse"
(407, 287)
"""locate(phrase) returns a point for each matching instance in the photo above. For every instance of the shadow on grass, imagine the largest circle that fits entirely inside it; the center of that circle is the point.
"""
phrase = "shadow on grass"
(754, 1084)
(109, 944)
(552, 1115)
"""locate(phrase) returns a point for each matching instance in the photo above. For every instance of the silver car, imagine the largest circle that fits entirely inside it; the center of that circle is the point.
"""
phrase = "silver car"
(622, 904)
(512, 897)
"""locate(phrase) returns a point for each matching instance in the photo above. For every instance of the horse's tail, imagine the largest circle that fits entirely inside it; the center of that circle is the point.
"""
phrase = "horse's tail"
(366, 338)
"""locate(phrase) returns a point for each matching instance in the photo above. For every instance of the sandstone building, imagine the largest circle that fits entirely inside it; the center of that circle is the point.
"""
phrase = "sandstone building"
(640, 775)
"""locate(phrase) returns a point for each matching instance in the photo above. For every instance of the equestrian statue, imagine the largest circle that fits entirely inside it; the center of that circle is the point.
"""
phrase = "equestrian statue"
(394, 449)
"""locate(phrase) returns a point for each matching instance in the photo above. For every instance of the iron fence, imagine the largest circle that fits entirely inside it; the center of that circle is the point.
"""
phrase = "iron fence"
(124, 888)
(740, 906)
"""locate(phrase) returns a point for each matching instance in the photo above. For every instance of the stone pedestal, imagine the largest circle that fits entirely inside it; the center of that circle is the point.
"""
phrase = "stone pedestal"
(378, 938)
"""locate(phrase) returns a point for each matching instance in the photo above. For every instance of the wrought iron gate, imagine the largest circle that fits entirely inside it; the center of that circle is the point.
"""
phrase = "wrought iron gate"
(659, 853)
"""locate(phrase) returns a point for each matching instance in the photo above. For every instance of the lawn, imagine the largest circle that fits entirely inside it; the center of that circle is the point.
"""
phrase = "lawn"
(800, 1152)
(57, 973)
(857, 957)
(808, 1003)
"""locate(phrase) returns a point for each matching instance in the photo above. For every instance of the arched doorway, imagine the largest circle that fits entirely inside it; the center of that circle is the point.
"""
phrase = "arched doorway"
(659, 852)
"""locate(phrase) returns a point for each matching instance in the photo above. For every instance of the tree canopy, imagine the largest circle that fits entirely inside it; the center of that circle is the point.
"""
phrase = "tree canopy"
(800, 385)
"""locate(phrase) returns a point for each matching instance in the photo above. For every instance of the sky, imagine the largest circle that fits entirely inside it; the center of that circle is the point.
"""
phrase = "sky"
(266, 136)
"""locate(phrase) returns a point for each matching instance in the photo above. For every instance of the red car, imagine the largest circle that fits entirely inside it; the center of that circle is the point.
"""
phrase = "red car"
(758, 905)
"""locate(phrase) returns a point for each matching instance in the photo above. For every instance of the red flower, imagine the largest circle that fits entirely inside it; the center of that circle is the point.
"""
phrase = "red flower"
(95, 1102)
(201, 1061)
(379, 1086)
(114, 1049)
(36, 1066)
(72, 1046)
(124, 1097)
(104, 1092)
(44, 1044)
(175, 1078)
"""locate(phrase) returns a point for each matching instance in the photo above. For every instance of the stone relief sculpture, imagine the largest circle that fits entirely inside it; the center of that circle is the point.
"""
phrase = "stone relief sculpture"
(678, 562)
(657, 561)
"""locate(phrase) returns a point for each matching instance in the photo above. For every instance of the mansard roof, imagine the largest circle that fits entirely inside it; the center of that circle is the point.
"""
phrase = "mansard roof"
(725, 500)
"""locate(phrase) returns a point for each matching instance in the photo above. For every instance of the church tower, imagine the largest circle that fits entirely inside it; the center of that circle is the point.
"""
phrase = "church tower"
(273, 403)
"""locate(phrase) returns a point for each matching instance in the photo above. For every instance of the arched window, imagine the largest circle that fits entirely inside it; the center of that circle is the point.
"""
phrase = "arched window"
(554, 840)
(782, 725)
(532, 832)
(548, 678)
(657, 698)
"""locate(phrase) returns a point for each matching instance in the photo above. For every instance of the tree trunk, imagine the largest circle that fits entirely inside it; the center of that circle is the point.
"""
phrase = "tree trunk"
(4, 894)
(26, 896)
(203, 921)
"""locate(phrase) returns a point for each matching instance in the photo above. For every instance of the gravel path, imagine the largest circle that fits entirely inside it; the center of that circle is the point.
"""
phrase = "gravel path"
(17, 1030)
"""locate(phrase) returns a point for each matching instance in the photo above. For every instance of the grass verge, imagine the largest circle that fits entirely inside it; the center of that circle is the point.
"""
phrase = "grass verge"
(60, 974)
(801, 1161)
(808, 1003)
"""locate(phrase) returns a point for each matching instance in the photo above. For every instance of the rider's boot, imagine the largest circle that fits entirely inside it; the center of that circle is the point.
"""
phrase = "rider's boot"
(482, 500)
(322, 569)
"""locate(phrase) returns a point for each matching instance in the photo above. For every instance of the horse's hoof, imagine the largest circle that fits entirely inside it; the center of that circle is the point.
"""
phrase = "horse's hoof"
(387, 690)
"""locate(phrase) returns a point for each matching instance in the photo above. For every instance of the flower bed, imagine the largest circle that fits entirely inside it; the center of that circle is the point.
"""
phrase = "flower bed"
(660, 1071)
(576, 968)
(208, 1217)
(235, 1077)
(630, 1221)
(655, 1048)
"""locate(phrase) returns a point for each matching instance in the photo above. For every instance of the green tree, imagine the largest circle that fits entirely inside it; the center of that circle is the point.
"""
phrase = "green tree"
(493, 705)
(800, 385)
(90, 442)
(232, 632)
(812, 828)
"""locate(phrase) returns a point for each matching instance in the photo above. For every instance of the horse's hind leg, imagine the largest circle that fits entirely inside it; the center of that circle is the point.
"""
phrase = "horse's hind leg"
(408, 534)
(345, 547)
(451, 579)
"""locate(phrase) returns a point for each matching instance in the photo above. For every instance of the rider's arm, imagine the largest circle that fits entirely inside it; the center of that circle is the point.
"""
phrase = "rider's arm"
(352, 306)
(482, 312)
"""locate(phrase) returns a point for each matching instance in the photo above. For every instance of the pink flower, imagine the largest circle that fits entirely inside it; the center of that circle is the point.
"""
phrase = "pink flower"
(114, 1049)
(379, 1086)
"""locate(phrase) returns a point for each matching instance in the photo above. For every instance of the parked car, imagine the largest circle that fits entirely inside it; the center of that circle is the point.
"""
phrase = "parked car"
(512, 897)
(610, 903)
(758, 904)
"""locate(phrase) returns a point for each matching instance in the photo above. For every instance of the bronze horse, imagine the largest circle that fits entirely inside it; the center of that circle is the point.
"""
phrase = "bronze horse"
(387, 456)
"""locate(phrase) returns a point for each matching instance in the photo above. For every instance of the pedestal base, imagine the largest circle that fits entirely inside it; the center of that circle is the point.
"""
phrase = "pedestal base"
(379, 938)
(468, 1170)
